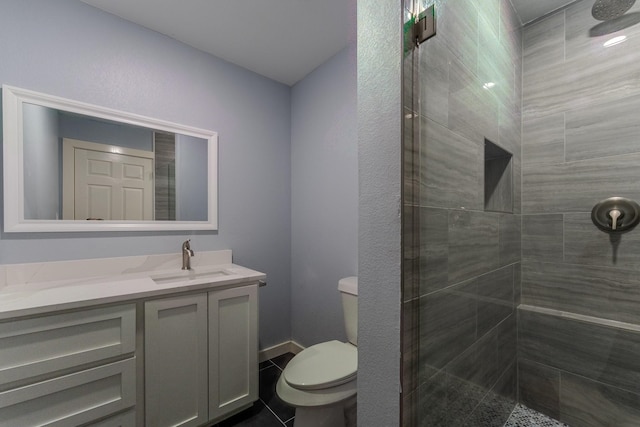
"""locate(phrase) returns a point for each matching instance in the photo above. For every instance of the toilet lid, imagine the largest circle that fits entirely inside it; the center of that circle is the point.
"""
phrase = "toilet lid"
(322, 365)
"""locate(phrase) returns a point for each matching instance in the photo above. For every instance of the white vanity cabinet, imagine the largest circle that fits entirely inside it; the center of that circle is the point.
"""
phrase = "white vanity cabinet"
(201, 356)
(68, 369)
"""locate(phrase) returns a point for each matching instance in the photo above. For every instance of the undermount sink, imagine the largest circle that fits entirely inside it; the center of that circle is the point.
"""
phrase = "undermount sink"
(190, 275)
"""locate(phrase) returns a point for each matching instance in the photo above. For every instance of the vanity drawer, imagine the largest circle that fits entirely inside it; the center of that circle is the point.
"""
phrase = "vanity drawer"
(43, 345)
(73, 399)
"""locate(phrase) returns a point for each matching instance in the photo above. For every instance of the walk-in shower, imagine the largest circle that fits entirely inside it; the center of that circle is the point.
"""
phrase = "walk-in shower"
(519, 306)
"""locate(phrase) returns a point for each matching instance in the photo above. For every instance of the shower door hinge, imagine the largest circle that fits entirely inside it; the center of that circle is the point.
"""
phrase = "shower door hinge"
(425, 26)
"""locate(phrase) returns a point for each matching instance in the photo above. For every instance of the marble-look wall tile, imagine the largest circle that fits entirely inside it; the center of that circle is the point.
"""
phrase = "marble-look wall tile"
(507, 340)
(473, 244)
(447, 324)
(432, 401)
(473, 110)
(607, 129)
(411, 158)
(539, 387)
(609, 293)
(434, 59)
(410, 252)
(543, 139)
(495, 65)
(592, 404)
(543, 43)
(597, 351)
(496, 406)
(517, 185)
(586, 244)
(410, 346)
(470, 377)
(458, 25)
(450, 168)
(495, 298)
(578, 186)
(434, 249)
(509, 238)
(542, 237)
(510, 131)
(517, 284)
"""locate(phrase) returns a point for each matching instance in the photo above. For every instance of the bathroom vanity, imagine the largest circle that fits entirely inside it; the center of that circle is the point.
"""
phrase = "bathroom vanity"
(129, 341)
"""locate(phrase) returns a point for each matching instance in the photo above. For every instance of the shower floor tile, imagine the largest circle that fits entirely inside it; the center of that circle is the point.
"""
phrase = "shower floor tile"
(525, 417)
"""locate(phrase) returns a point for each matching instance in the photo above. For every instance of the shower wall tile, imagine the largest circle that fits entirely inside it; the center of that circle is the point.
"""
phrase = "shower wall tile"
(509, 238)
(517, 185)
(495, 65)
(543, 139)
(600, 352)
(410, 349)
(411, 158)
(432, 401)
(543, 43)
(447, 324)
(470, 377)
(495, 298)
(510, 131)
(478, 364)
(434, 59)
(607, 129)
(585, 244)
(539, 387)
(458, 25)
(450, 168)
(473, 111)
(609, 293)
(489, 12)
(578, 186)
(434, 249)
(542, 237)
(473, 244)
(517, 284)
(588, 403)
(411, 252)
(507, 340)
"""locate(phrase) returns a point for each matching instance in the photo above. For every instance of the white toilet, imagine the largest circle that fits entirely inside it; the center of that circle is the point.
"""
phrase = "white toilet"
(321, 379)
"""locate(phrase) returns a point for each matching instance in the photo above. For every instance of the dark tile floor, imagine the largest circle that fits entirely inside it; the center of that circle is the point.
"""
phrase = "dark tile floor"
(269, 410)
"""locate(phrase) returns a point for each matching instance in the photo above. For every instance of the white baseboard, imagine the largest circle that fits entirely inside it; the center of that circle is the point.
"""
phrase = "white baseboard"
(279, 350)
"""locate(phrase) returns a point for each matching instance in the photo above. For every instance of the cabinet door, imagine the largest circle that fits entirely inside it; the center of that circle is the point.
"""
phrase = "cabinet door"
(233, 350)
(176, 361)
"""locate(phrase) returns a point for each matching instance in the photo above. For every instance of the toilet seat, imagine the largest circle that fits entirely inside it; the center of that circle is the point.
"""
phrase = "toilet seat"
(321, 366)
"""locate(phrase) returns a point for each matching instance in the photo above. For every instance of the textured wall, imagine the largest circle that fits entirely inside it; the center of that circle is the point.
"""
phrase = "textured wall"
(580, 319)
(379, 165)
(70, 49)
(324, 197)
(462, 256)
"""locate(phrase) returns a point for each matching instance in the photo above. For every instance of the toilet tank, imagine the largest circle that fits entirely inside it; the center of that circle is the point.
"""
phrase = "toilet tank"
(348, 288)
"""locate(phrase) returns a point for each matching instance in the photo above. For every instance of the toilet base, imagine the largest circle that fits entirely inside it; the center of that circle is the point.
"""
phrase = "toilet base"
(321, 416)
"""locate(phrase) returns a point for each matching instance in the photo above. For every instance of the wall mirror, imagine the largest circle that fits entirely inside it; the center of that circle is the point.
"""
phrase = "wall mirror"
(72, 166)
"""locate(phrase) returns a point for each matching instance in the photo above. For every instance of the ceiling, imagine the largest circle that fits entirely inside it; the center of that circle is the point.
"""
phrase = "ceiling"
(281, 39)
(530, 10)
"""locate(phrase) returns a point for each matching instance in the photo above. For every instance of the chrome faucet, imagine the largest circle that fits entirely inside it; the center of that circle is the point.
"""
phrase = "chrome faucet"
(187, 253)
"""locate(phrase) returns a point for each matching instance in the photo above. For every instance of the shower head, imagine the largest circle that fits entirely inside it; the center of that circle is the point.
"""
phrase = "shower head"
(605, 10)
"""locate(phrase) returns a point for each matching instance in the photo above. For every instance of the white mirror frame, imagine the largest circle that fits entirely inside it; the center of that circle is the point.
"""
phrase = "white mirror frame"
(12, 104)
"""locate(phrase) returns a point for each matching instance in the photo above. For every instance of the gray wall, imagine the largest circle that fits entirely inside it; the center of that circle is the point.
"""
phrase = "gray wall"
(191, 178)
(581, 134)
(69, 49)
(379, 163)
(324, 197)
(462, 257)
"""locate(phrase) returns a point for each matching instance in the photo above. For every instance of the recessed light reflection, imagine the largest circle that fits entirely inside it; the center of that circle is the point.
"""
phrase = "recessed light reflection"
(488, 85)
(614, 41)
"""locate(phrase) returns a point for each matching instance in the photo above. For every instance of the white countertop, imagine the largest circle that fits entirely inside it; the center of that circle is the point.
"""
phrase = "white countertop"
(121, 279)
